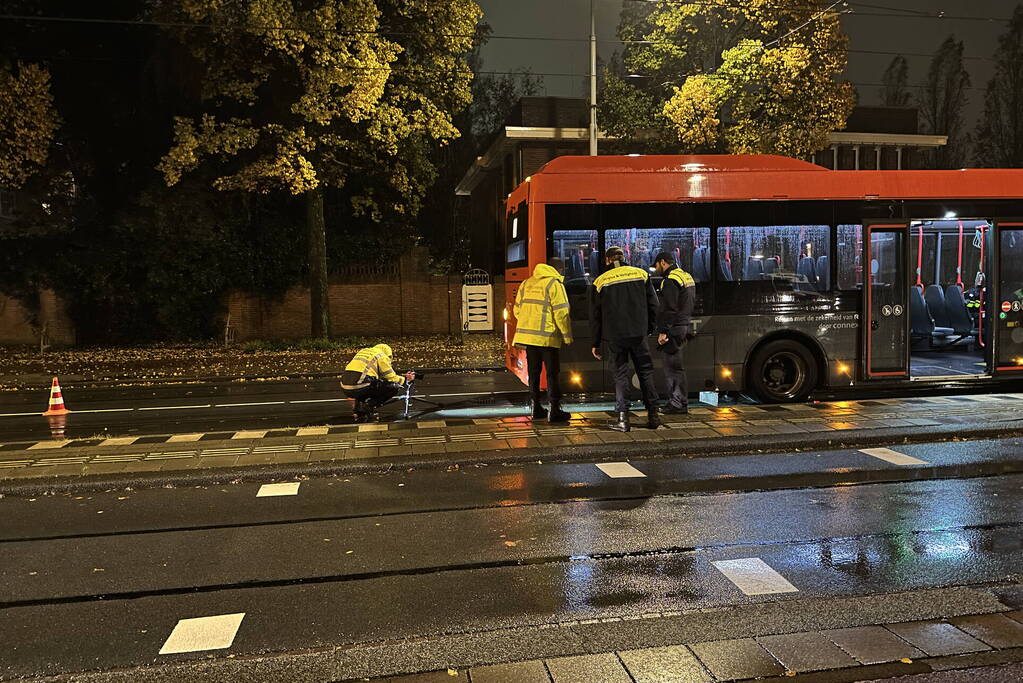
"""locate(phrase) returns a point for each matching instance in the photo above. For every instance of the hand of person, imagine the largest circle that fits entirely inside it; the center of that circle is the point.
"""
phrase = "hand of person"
(596, 353)
(662, 338)
(410, 376)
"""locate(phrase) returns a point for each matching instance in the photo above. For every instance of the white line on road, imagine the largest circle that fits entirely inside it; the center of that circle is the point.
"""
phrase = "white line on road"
(203, 633)
(175, 407)
(285, 489)
(19, 414)
(261, 403)
(106, 410)
(753, 576)
(894, 457)
(619, 470)
(319, 400)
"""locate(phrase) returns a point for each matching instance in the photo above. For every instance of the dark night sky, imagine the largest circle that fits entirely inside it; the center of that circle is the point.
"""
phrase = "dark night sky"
(908, 34)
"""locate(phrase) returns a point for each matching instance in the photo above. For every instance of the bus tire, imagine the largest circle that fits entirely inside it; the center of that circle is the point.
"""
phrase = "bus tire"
(782, 371)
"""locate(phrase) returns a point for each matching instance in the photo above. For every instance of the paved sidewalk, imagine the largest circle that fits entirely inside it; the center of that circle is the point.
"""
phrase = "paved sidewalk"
(742, 428)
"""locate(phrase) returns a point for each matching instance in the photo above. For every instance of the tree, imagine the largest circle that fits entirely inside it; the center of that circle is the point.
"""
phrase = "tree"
(28, 122)
(1000, 132)
(298, 96)
(895, 80)
(759, 78)
(942, 101)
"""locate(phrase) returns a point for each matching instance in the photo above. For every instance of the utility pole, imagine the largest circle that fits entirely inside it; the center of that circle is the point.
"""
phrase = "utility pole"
(593, 81)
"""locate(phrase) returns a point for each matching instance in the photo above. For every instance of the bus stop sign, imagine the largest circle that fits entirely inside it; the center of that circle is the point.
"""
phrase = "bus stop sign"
(477, 302)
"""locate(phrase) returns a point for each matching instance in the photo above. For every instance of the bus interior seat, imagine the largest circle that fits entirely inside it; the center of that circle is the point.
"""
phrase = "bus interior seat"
(701, 264)
(726, 270)
(934, 297)
(594, 264)
(807, 270)
(959, 317)
(770, 266)
(575, 265)
(823, 274)
(754, 269)
(921, 323)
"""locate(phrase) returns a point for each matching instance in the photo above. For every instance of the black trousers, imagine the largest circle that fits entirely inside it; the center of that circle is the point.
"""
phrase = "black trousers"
(636, 350)
(538, 358)
(675, 376)
(376, 394)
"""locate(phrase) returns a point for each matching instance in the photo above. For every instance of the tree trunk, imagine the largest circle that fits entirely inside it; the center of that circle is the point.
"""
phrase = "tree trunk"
(319, 305)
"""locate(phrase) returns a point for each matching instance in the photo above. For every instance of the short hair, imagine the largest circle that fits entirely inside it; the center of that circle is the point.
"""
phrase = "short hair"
(615, 254)
(665, 256)
(556, 263)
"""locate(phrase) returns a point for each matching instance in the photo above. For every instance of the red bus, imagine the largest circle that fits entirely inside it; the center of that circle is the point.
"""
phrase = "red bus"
(807, 278)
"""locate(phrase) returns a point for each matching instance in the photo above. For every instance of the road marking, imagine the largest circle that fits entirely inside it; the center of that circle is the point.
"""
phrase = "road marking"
(237, 405)
(256, 434)
(203, 633)
(753, 576)
(286, 489)
(319, 400)
(18, 414)
(208, 405)
(311, 431)
(619, 470)
(48, 444)
(106, 410)
(430, 424)
(470, 393)
(185, 437)
(380, 427)
(894, 457)
(120, 441)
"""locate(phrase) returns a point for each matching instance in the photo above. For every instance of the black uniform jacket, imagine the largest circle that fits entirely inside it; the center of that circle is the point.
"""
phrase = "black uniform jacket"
(623, 305)
(677, 295)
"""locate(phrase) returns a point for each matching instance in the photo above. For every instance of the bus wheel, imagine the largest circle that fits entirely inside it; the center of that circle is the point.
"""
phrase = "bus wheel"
(782, 371)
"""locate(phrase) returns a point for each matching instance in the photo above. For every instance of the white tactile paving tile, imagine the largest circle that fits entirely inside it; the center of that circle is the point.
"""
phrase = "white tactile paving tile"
(894, 457)
(120, 441)
(283, 489)
(203, 633)
(619, 470)
(312, 431)
(753, 576)
(251, 434)
(184, 437)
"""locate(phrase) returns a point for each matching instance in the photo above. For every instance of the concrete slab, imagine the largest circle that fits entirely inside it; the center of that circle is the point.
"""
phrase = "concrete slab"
(994, 629)
(873, 644)
(518, 672)
(739, 659)
(937, 638)
(604, 668)
(664, 665)
(803, 652)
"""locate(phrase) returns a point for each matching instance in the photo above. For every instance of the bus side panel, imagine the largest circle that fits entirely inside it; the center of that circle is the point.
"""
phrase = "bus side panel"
(514, 358)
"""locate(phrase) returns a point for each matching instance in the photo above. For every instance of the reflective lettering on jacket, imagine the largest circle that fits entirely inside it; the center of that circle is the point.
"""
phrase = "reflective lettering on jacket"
(375, 362)
(541, 310)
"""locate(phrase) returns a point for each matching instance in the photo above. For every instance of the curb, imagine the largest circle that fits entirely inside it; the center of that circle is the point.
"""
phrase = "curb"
(726, 446)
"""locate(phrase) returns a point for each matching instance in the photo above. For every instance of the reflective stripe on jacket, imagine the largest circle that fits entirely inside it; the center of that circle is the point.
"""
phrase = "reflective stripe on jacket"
(678, 294)
(541, 310)
(623, 305)
(374, 361)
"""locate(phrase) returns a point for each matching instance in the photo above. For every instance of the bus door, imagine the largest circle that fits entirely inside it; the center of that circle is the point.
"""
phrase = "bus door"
(885, 315)
(1006, 293)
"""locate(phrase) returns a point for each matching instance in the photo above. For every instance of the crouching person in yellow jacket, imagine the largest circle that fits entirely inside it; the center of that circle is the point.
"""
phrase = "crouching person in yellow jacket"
(543, 325)
(371, 381)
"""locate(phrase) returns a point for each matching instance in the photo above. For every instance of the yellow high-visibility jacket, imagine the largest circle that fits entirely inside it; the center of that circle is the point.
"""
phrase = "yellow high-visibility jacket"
(541, 310)
(374, 361)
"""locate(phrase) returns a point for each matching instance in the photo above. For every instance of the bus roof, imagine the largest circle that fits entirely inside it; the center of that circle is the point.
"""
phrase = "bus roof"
(730, 177)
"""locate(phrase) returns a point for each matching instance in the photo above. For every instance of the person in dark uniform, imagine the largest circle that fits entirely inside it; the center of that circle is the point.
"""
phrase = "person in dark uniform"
(674, 328)
(623, 308)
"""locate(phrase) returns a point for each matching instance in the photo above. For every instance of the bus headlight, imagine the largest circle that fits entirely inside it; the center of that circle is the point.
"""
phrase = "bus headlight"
(576, 378)
(504, 314)
(842, 368)
(726, 373)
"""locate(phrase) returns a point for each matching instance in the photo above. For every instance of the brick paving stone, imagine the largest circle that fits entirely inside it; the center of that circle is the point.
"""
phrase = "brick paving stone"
(1015, 616)
(614, 437)
(732, 660)
(703, 433)
(460, 446)
(584, 439)
(427, 448)
(873, 644)
(529, 442)
(644, 434)
(338, 454)
(293, 456)
(605, 668)
(937, 638)
(558, 440)
(209, 461)
(431, 677)
(492, 445)
(392, 451)
(519, 672)
(994, 629)
(674, 664)
(731, 431)
(803, 652)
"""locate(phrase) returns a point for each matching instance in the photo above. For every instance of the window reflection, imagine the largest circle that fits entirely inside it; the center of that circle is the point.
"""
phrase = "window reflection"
(787, 254)
(690, 247)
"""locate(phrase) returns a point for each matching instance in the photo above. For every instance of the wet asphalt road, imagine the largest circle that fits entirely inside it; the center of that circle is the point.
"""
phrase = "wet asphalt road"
(98, 581)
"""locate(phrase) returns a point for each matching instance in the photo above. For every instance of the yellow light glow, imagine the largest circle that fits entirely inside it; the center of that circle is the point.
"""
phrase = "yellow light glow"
(576, 378)
(843, 368)
(725, 372)
(1018, 361)
(504, 313)
(528, 178)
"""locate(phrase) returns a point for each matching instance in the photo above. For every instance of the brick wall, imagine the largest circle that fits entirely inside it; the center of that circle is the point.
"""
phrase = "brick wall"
(16, 325)
(411, 302)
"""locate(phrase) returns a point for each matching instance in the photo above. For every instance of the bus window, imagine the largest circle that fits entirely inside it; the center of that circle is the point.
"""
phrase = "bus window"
(517, 236)
(690, 246)
(578, 249)
(850, 250)
(795, 255)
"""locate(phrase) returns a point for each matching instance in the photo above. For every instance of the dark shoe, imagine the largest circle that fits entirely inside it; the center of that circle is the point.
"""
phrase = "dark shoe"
(558, 415)
(675, 410)
(538, 411)
(653, 420)
(621, 425)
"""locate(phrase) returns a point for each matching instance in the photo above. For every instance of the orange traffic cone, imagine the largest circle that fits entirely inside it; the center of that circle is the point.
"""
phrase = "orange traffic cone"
(56, 400)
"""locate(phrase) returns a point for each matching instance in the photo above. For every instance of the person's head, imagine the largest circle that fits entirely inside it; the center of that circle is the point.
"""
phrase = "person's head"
(614, 256)
(557, 264)
(664, 261)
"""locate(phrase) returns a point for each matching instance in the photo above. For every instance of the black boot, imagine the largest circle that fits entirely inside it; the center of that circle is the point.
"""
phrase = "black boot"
(675, 410)
(557, 414)
(538, 411)
(622, 424)
(653, 420)
(359, 412)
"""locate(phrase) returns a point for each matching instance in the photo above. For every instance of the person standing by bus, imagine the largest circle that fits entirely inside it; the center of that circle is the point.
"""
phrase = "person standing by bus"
(623, 309)
(674, 323)
(544, 323)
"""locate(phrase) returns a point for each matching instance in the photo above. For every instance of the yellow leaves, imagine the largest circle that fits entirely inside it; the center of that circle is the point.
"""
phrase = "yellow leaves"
(694, 111)
(28, 122)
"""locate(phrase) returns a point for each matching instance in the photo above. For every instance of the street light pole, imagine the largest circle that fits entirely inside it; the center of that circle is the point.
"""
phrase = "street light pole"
(593, 81)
